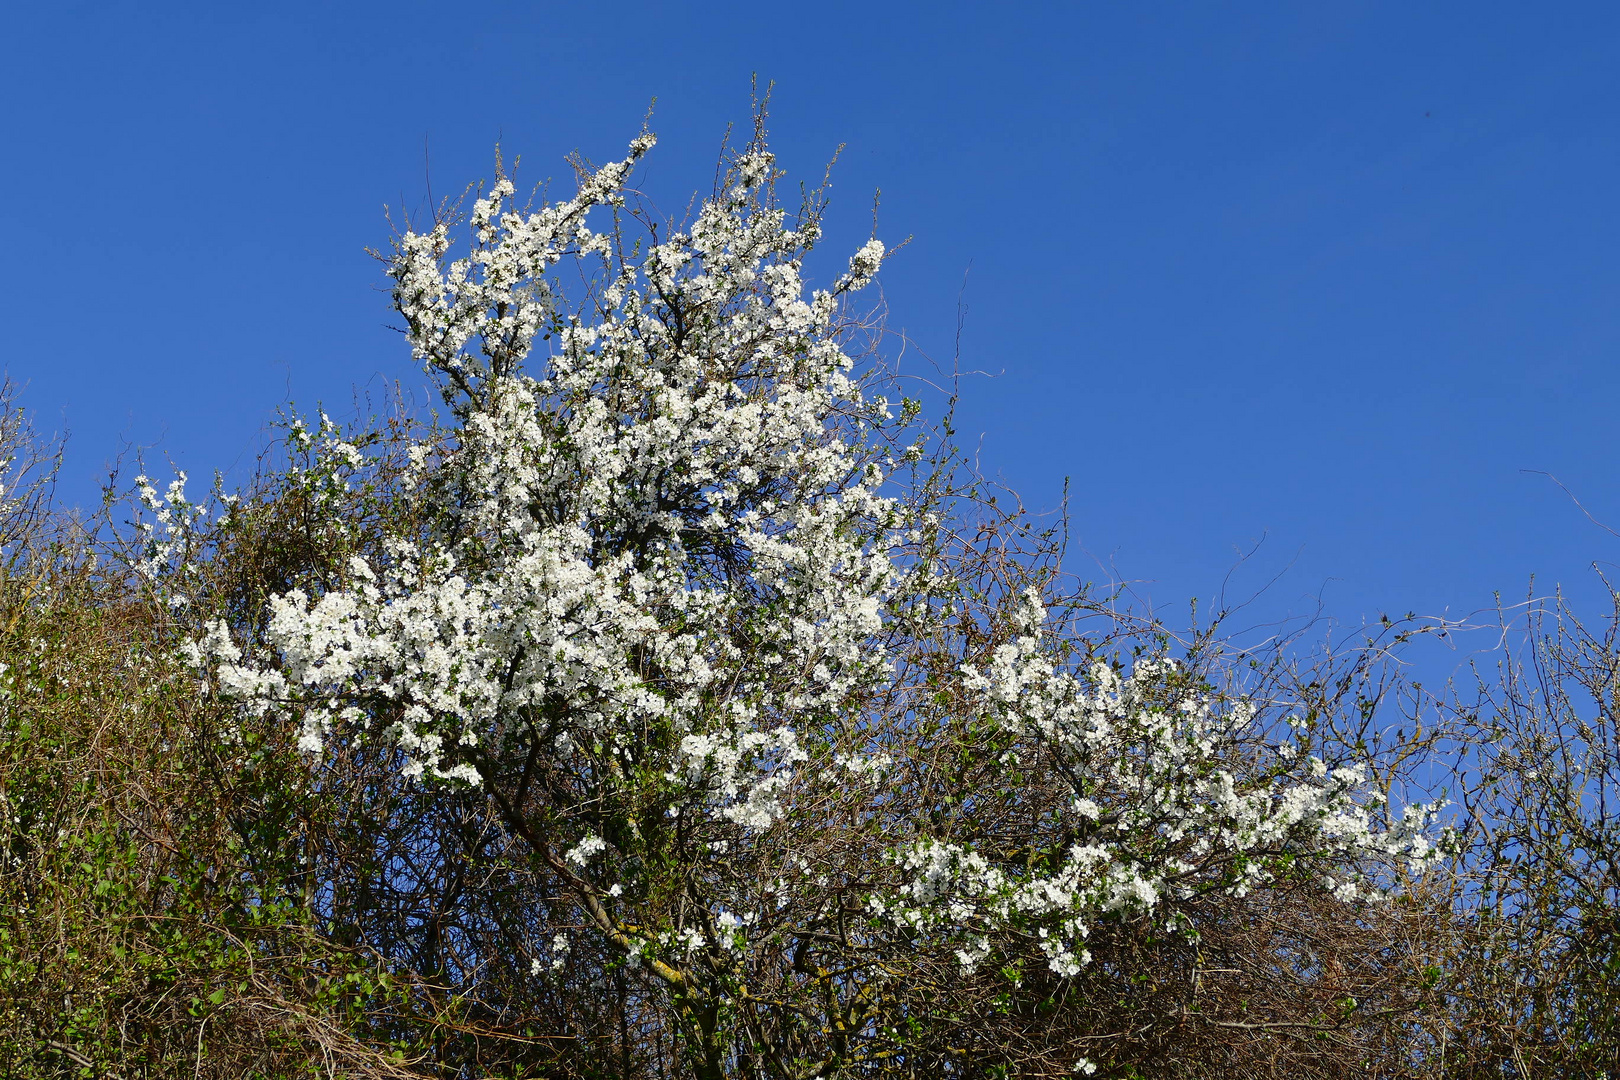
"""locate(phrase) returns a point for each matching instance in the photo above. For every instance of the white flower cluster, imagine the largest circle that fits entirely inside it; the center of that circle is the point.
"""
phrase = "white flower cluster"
(1181, 822)
(664, 525)
(167, 539)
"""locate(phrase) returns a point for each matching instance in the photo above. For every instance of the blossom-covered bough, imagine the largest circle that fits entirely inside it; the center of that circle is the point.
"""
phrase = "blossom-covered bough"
(685, 602)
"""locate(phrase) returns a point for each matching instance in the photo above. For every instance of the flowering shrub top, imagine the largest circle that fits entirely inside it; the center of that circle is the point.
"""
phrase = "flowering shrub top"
(662, 601)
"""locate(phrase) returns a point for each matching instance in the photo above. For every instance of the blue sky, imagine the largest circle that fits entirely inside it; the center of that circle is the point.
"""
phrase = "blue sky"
(1331, 275)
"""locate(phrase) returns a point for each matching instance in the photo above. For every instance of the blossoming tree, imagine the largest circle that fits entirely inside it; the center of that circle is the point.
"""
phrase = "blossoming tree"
(682, 599)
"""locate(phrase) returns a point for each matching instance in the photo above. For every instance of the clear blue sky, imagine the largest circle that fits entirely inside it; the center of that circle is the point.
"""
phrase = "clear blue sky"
(1328, 274)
